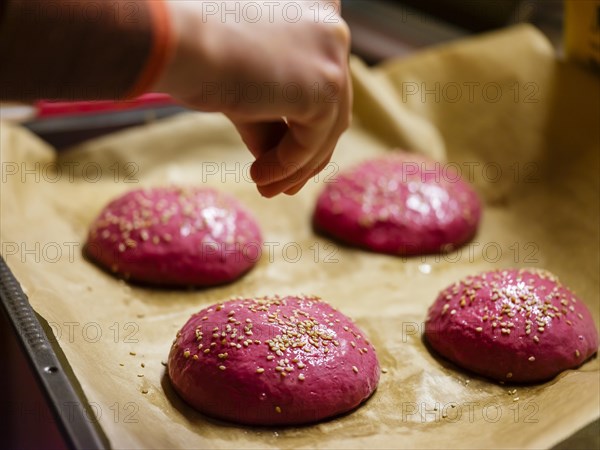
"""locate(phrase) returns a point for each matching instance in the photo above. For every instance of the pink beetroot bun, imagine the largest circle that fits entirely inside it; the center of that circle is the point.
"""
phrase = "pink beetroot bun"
(402, 204)
(175, 236)
(272, 361)
(512, 325)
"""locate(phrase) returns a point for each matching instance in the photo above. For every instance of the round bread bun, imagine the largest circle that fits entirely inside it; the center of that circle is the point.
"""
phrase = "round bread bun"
(401, 204)
(272, 361)
(175, 236)
(518, 325)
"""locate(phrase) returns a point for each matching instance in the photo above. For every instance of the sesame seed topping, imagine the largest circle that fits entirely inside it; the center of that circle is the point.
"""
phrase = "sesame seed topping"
(355, 369)
(222, 367)
(186, 354)
(479, 329)
(384, 370)
(301, 377)
(532, 358)
(260, 370)
(278, 410)
(577, 354)
(509, 375)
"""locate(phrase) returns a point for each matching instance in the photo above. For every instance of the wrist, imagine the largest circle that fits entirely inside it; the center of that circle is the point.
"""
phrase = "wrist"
(190, 63)
(162, 49)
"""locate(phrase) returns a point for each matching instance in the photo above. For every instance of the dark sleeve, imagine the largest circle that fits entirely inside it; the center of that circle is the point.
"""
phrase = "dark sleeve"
(73, 50)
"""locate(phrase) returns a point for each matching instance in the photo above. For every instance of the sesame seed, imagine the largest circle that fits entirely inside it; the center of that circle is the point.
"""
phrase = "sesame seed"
(186, 354)
(532, 358)
(195, 357)
(260, 370)
(479, 329)
(509, 375)
(355, 369)
(222, 367)
(144, 391)
(301, 377)
(516, 399)
(384, 370)
(132, 353)
(577, 354)
(278, 410)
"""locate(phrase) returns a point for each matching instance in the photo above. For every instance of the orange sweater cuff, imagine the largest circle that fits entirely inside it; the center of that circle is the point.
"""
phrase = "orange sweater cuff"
(161, 51)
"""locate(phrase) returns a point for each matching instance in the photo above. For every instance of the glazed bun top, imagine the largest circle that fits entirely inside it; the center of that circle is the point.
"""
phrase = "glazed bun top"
(405, 188)
(288, 360)
(171, 214)
(517, 324)
(401, 204)
(175, 236)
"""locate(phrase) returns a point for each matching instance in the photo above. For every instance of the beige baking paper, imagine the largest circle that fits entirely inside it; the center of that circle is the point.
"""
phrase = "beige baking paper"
(523, 126)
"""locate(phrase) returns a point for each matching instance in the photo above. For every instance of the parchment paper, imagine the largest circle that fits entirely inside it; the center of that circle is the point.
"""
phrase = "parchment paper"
(542, 211)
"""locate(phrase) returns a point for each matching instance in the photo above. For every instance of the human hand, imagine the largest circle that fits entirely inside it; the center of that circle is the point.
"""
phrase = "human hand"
(278, 70)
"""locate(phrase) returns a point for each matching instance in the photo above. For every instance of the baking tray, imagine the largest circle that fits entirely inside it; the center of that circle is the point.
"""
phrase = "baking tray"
(49, 366)
(61, 388)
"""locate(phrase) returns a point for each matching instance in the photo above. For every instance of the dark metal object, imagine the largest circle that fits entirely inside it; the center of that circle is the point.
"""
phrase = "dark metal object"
(70, 408)
(62, 132)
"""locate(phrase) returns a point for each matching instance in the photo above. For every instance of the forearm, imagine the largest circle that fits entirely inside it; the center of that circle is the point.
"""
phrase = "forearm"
(81, 49)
